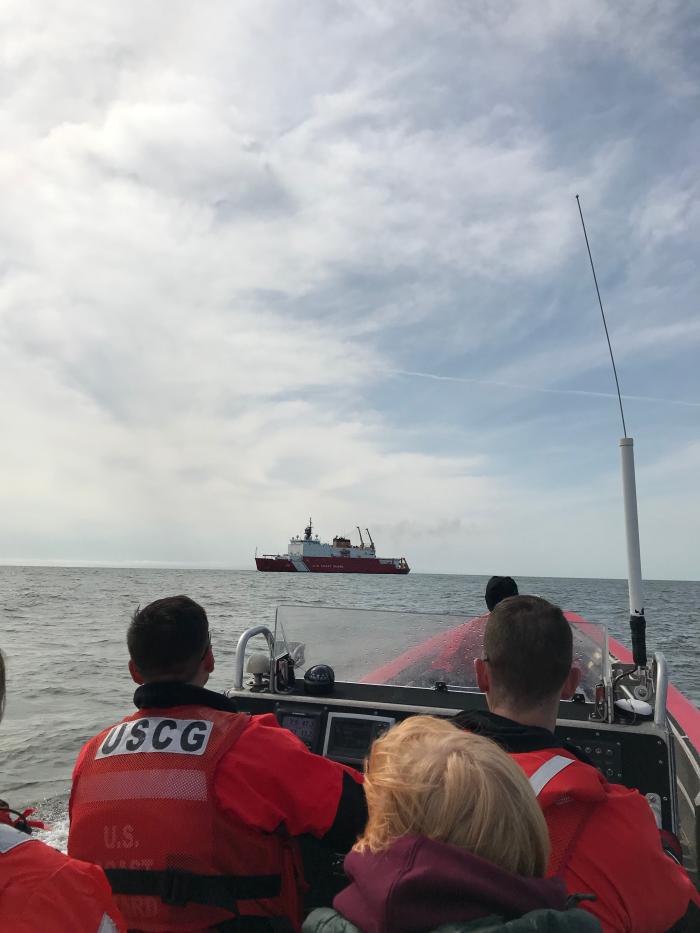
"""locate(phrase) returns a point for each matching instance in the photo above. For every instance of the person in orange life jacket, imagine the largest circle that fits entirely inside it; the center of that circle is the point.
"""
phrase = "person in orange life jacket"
(455, 841)
(192, 808)
(604, 836)
(452, 660)
(41, 889)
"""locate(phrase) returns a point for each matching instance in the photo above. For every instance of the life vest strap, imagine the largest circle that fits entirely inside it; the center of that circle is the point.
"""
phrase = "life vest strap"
(178, 888)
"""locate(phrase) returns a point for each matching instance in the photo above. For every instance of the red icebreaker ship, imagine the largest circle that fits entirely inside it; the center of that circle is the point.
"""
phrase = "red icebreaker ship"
(309, 555)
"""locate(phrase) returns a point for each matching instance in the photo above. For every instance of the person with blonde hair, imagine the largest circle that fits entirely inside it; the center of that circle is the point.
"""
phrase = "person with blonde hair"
(454, 841)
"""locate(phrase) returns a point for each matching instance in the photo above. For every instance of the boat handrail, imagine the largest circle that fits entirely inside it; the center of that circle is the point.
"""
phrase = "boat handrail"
(661, 689)
(239, 661)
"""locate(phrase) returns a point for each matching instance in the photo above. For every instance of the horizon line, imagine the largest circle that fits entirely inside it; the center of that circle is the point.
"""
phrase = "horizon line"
(75, 564)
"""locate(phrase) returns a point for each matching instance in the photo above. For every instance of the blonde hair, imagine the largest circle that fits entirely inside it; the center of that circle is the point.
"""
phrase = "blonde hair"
(428, 778)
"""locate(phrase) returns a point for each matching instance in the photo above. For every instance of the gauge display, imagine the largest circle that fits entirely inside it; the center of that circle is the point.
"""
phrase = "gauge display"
(349, 737)
(303, 726)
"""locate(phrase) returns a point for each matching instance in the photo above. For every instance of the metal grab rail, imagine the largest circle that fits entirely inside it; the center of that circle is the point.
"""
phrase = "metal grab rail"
(660, 689)
(240, 651)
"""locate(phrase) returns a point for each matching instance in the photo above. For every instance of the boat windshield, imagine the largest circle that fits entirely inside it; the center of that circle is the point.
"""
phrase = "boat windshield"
(414, 649)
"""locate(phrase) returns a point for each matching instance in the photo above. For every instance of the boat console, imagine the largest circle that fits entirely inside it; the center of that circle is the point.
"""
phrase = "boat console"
(391, 665)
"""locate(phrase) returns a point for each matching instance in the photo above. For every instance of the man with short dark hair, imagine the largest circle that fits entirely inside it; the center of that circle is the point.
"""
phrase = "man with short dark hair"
(528, 648)
(168, 640)
(604, 837)
(192, 808)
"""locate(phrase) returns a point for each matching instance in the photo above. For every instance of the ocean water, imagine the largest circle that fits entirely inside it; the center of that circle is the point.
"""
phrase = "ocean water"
(62, 631)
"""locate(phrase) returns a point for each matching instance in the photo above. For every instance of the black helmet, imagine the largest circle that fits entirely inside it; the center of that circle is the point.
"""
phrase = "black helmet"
(499, 588)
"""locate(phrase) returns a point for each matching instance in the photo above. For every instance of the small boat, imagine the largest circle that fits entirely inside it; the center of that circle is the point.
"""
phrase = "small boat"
(308, 554)
(636, 727)
(387, 667)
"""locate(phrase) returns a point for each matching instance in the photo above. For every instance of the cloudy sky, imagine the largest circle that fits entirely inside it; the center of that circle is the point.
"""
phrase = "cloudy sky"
(269, 259)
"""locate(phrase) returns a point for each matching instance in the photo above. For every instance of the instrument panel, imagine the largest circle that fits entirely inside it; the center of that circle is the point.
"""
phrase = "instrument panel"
(343, 725)
(344, 737)
(344, 729)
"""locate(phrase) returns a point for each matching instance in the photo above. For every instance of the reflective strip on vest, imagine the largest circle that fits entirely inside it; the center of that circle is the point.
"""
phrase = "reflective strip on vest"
(154, 784)
(10, 838)
(544, 774)
(107, 925)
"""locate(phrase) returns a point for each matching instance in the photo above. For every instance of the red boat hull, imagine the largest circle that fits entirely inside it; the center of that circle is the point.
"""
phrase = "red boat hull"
(329, 565)
(681, 709)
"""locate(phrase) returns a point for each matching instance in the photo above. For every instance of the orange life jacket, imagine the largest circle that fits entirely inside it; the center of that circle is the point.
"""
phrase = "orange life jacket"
(567, 790)
(42, 889)
(143, 807)
(605, 841)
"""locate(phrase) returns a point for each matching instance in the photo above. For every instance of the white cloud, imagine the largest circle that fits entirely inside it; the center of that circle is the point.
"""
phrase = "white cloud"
(223, 230)
(670, 211)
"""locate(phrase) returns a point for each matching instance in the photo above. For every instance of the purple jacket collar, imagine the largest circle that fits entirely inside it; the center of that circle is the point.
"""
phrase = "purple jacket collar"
(417, 884)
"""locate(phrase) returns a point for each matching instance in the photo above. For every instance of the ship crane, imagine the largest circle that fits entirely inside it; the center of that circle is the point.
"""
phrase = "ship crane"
(371, 542)
(362, 543)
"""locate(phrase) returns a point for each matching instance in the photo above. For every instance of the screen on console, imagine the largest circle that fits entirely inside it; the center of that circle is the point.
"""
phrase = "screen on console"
(350, 736)
(304, 727)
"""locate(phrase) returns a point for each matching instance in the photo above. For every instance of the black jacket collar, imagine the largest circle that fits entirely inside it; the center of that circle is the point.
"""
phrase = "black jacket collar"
(165, 694)
(512, 736)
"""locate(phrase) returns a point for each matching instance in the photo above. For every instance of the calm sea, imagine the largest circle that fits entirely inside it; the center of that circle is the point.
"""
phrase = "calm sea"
(62, 631)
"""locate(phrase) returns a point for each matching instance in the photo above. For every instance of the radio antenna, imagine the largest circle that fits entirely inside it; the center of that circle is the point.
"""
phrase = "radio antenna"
(605, 324)
(629, 491)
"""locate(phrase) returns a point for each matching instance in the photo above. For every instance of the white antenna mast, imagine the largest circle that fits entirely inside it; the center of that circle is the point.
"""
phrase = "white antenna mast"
(629, 492)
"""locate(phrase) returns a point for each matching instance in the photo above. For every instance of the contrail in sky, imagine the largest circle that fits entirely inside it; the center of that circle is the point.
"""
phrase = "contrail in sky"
(524, 388)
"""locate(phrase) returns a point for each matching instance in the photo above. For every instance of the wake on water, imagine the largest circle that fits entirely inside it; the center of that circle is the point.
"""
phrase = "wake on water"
(54, 812)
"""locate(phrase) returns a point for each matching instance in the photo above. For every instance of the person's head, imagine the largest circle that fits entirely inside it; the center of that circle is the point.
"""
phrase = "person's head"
(428, 778)
(169, 640)
(528, 653)
(497, 589)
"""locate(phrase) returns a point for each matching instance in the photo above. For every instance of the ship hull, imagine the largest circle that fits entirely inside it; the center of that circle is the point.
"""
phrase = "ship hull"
(329, 565)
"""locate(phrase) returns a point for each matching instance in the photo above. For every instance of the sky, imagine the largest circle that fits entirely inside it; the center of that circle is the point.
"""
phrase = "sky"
(274, 259)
